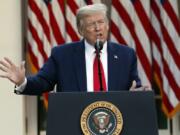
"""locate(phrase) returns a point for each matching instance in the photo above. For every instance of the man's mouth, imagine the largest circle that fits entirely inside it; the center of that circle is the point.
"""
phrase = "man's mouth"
(99, 35)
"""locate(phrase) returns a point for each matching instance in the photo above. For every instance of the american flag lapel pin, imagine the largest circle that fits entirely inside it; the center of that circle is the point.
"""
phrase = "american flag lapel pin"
(115, 57)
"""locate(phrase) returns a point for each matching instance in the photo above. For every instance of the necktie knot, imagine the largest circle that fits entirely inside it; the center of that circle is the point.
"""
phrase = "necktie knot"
(96, 52)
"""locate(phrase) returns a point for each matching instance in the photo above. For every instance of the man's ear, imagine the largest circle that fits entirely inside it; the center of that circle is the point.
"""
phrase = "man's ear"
(80, 31)
(108, 26)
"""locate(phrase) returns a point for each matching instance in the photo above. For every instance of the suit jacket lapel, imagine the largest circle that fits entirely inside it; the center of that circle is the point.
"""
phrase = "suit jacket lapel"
(80, 66)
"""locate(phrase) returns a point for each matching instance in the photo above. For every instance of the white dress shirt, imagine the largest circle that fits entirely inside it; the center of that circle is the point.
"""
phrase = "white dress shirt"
(89, 56)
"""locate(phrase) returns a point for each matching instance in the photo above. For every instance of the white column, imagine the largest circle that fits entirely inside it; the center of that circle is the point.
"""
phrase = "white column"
(11, 106)
(176, 124)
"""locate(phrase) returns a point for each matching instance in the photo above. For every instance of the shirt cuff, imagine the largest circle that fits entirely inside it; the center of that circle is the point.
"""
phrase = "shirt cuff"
(21, 87)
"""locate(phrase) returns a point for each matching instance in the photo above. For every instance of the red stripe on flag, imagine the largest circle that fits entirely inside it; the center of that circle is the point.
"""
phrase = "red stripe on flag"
(175, 20)
(40, 17)
(117, 34)
(71, 32)
(158, 72)
(73, 6)
(33, 57)
(62, 6)
(142, 16)
(55, 28)
(38, 40)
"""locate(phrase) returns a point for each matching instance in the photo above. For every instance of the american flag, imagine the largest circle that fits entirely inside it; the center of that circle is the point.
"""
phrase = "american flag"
(151, 27)
(46, 28)
(166, 52)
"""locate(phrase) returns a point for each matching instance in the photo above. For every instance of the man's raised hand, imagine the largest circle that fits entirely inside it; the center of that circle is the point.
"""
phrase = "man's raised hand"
(15, 74)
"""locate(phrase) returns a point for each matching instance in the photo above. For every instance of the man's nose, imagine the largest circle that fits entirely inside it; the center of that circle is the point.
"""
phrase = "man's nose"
(97, 26)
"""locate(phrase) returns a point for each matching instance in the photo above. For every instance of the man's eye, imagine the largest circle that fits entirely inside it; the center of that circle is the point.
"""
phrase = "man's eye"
(91, 24)
(101, 22)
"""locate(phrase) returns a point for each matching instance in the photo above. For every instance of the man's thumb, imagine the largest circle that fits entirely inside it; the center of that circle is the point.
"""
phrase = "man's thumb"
(22, 64)
(133, 86)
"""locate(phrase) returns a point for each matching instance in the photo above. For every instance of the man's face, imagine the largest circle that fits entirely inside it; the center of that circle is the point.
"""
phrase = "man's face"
(95, 26)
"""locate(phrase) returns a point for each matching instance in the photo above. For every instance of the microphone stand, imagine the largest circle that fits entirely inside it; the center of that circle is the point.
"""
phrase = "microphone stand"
(98, 47)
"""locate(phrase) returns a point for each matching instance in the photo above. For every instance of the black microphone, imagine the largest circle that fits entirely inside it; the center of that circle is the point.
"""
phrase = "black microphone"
(98, 46)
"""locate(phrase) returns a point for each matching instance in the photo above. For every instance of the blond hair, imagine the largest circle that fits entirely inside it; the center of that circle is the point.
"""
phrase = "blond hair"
(88, 10)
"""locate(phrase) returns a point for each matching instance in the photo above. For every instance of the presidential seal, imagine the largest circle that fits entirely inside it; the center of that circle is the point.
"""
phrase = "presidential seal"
(101, 118)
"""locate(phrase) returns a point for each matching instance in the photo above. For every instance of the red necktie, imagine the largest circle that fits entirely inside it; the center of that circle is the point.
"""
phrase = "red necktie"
(96, 76)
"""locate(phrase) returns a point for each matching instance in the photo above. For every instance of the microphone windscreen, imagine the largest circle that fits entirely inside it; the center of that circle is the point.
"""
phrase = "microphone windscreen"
(98, 45)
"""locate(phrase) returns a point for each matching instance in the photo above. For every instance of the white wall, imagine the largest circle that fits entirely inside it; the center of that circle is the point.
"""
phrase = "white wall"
(11, 105)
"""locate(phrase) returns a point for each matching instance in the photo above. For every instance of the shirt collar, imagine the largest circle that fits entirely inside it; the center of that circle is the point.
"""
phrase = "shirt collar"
(90, 48)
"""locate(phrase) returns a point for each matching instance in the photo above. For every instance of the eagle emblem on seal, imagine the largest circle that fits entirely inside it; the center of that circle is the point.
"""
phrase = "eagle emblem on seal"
(102, 122)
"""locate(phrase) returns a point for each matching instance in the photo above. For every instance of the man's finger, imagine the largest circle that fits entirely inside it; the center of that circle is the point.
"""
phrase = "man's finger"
(5, 64)
(9, 61)
(4, 76)
(3, 68)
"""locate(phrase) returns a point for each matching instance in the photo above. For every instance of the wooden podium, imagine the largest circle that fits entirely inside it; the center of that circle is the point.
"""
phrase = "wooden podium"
(137, 109)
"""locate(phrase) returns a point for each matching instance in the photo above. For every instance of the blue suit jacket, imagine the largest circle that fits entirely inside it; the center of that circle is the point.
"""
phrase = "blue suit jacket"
(66, 67)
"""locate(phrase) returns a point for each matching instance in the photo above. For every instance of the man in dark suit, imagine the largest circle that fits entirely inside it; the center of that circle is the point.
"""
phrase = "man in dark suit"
(70, 66)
